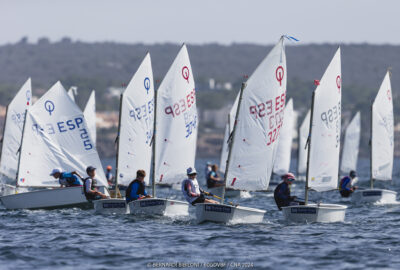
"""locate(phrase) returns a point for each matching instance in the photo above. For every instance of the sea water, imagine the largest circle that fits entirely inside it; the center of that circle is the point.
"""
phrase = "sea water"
(81, 239)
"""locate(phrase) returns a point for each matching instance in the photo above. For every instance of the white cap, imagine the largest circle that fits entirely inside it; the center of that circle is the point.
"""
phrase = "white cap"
(54, 171)
(190, 171)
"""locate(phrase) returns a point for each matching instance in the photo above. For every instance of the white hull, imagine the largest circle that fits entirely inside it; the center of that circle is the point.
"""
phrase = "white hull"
(159, 207)
(325, 213)
(374, 196)
(229, 193)
(224, 213)
(47, 198)
(110, 206)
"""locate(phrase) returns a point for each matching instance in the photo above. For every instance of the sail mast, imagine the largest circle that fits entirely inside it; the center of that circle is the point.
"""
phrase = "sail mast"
(308, 149)
(233, 139)
(372, 121)
(153, 158)
(118, 140)
(20, 148)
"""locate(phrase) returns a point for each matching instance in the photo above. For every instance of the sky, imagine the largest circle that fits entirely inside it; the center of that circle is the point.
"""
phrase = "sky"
(201, 21)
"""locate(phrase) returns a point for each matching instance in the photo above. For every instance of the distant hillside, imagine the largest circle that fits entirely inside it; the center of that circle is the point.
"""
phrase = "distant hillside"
(101, 65)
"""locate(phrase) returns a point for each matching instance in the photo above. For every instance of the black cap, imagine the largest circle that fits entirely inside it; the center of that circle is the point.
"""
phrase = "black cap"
(353, 174)
(90, 169)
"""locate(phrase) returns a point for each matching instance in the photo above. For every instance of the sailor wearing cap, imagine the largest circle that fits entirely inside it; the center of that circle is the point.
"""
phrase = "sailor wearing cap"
(67, 179)
(90, 187)
(282, 192)
(191, 190)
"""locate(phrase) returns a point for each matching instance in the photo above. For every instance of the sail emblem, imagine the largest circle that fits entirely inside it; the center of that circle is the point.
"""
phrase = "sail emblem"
(388, 95)
(28, 96)
(338, 83)
(279, 73)
(49, 106)
(147, 84)
(185, 73)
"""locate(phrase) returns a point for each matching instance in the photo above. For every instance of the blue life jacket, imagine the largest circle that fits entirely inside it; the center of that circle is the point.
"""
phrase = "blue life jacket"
(71, 179)
(345, 183)
(135, 189)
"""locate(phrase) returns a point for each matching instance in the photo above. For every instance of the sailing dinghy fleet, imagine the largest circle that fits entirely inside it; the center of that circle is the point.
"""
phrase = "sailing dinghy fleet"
(157, 133)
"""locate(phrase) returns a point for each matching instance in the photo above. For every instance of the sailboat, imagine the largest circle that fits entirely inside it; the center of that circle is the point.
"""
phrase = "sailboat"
(55, 135)
(90, 115)
(351, 145)
(302, 153)
(135, 132)
(255, 135)
(283, 154)
(12, 133)
(323, 149)
(175, 136)
(382, 147)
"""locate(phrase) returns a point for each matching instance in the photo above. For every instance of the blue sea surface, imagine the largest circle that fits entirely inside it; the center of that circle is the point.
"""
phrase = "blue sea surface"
(81, 239)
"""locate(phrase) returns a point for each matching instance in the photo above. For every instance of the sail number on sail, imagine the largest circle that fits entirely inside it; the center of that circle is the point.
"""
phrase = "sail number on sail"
(18, 118)
(65, 126)
(145, 113)
(183, 106)
(142, 112)
(274, 110)
(331, 119)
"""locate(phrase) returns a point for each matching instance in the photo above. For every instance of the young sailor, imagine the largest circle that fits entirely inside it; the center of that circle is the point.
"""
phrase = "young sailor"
(282, 192)
(90, 187)
(346, 187)
(67, 179)
(213, 179)
(191, 190)
(109, 175)
(136, 190)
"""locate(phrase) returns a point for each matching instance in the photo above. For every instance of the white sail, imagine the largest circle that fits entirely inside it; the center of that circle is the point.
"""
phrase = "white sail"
(56, 136)
(176, 122)
(303, 152)
(13, 131)
(326, 126)
(350, 146)
(259, 122)
(90, 115)
(71, 93)
(228, 131)
(382, 132)
(283, 154)
(136, 131)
